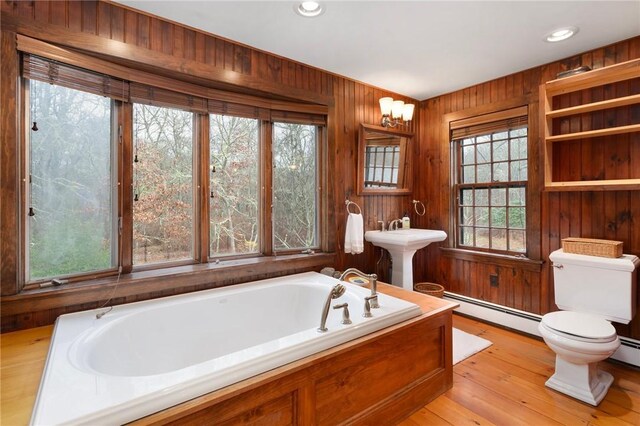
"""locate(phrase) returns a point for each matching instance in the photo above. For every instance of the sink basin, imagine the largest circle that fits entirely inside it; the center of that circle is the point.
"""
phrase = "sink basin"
(402, 245)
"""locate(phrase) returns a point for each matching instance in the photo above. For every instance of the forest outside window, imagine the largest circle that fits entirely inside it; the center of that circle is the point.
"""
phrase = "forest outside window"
(162, 184)
(490, 160)
(295, 186)
(121, 176)
(70, 175)
(234, 221)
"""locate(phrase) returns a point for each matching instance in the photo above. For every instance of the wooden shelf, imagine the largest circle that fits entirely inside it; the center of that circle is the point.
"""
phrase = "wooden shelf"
(595, 106)
(595, 133)
(594, 185)
(592, 79)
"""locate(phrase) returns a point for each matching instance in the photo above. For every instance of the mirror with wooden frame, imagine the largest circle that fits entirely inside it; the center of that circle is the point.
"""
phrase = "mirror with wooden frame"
(384, 161)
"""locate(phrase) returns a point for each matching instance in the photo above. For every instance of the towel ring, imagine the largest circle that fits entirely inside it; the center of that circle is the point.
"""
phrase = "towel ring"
(415, 207)
(349, 203)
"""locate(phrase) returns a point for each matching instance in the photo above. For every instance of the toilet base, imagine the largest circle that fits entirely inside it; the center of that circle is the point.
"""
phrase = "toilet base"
(581, 381)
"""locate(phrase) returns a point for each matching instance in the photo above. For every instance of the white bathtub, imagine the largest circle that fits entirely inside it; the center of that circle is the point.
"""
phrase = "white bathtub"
(143, 357)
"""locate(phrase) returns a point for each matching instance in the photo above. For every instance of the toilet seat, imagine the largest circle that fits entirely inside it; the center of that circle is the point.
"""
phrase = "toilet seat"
(579, 326)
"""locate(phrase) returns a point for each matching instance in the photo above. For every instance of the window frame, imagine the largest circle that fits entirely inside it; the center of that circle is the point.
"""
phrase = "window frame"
(122, 140)
(479, 117)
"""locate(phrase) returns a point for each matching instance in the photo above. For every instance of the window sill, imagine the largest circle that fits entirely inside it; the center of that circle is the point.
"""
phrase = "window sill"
(149, 284)
(494, 258)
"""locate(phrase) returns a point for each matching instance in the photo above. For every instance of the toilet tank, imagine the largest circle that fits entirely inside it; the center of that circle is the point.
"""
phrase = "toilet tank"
(596, 285)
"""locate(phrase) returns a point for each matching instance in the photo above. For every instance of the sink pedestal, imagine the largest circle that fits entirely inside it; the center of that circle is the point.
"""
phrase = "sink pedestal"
(402, 244)
(402, 268)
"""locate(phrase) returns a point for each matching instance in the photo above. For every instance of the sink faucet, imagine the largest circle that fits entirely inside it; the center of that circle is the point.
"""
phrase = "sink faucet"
(337, 291)
(393, 225)
(381, 222)
(373, 278)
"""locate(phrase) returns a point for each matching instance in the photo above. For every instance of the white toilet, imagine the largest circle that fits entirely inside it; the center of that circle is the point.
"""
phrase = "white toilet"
(590, 291)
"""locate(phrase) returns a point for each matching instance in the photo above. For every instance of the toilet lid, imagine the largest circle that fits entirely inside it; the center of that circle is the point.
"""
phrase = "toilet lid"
(580, 324)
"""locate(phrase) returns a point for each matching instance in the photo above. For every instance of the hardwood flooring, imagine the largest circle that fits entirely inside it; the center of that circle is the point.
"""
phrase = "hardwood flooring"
(504, 385)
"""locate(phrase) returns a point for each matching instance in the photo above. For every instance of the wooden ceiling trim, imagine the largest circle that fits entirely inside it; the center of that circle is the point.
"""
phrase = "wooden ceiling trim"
(115, 49)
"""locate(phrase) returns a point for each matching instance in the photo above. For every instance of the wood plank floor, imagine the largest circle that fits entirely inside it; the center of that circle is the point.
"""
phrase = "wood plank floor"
(504, 385)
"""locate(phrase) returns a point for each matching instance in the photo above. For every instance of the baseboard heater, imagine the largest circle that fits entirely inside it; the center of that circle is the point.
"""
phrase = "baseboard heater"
(526, 322)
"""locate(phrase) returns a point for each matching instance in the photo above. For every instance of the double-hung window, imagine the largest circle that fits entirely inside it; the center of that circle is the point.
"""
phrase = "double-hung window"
(490, 163)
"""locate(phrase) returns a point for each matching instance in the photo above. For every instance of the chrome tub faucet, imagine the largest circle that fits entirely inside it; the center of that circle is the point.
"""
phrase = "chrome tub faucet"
(337, 291)
(373, 278)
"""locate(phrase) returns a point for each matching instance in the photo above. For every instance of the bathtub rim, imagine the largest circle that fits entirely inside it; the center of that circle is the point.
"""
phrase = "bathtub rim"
(184, 388)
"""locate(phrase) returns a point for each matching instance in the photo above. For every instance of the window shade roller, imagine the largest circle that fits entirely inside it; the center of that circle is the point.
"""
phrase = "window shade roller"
(37, 68)
(238, 110)
(298, 118)
(488, 123)
(156, 96)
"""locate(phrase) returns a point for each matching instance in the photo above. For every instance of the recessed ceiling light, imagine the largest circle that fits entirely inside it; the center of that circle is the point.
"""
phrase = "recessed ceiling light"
(309, 9)
(561, 34)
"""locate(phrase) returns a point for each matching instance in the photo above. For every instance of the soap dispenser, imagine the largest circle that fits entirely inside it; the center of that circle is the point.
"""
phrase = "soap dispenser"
(406, 222)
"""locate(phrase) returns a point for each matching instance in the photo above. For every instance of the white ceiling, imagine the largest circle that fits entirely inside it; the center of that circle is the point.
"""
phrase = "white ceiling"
(417, 48)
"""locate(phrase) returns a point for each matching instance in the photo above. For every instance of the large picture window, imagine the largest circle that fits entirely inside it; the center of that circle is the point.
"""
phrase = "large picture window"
(491, 185)
(162, 184)
(234, 165)
(70, 203)
(121, 176)
(295, 186)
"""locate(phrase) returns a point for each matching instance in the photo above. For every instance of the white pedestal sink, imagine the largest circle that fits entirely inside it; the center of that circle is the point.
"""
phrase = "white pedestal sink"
(402, 245)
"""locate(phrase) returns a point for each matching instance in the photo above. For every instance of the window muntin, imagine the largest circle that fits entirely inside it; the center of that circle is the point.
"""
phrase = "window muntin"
(491, 190)
(234, 225)
(71, 191)
(163, 209)
(295, 186)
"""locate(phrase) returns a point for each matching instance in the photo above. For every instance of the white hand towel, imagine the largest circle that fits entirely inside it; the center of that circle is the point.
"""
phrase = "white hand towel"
(354, 234)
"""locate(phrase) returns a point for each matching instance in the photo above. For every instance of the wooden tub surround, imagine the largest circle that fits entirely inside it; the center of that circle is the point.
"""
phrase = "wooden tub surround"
(382, 377)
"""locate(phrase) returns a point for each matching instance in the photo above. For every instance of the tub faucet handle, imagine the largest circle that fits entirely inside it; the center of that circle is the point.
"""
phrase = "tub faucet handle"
(345, 313)
(367, 305)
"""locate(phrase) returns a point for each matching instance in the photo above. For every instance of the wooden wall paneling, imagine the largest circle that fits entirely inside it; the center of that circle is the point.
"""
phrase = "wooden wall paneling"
(103, 20)
(41, 11)
(611, 214)
(117, 23)
(9, 254)
(89, 15)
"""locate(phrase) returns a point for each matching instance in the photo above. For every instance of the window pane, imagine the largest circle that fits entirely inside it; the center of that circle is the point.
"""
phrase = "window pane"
(501, 172)
(482, 216)
(517, 241)
(482, 197)
(499, 217)
(482, 237)
(466, 236)
(517, 217)
(500, 151)
(467, 216)
(484, 173)
(468, 174)
(467, 197)
(484, 153)
(499, 239)
(517, 197)
(163, 184)
(519, 170)
(468, 155)
(498, 196)
(71, 183)
(294, 186)
(234, 225)
(518, 148)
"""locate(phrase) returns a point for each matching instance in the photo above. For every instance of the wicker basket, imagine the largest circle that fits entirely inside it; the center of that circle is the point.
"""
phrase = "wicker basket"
(592, 247)
(431, 289)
